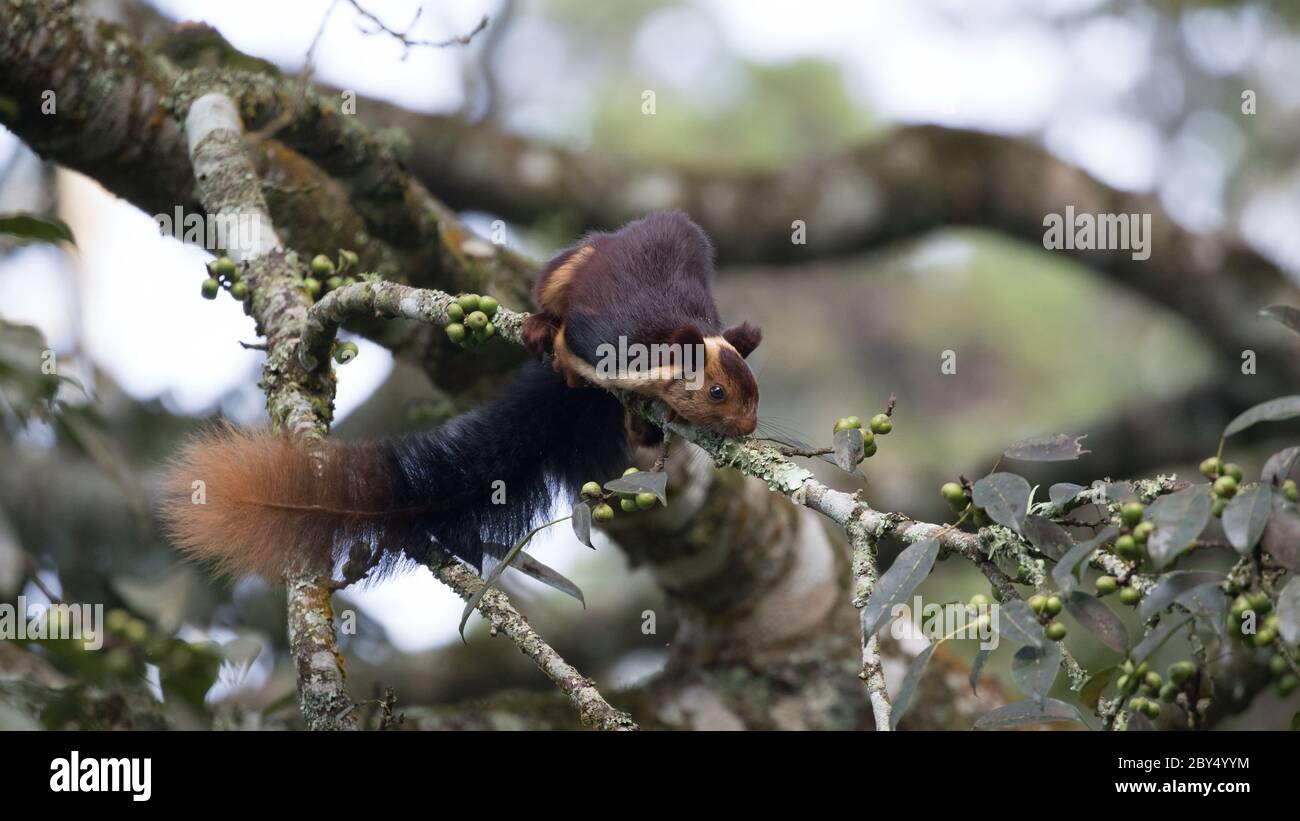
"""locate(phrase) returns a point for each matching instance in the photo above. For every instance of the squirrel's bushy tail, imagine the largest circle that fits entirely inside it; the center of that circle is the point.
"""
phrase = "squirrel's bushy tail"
(256, 503)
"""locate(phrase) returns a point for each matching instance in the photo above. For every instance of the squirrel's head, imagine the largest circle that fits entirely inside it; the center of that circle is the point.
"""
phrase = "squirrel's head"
(712, 386)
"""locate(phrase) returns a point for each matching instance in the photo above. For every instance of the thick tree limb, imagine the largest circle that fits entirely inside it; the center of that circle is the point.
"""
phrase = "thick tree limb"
(299, 402)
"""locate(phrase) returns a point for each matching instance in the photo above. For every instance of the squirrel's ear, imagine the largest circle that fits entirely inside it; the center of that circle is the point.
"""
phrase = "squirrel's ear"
(743, 337)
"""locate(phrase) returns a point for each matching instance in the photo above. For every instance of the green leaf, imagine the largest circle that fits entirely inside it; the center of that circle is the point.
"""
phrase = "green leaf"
(1274, 410)
(1281, 538)
(1047, 536)
(1017, 622)
(1278, 467)
(848, 449)
(582, 523)
(1065, 574)
(644, 481)
(38, 228)
(1095, 686)
(1285, 314)
(1179, 518)
(1034, 669)
(977, 666)
(1288, 612)
(1004, 497)
(1173, 585)
(1099, 620)
(1246, 516)
(1058, 447)
(534, 569)
(898, 583)
(1028, 711)
(907, 690)
(492, 578)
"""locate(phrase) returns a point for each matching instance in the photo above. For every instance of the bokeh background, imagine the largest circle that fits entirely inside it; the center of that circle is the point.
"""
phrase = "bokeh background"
(1143, 97)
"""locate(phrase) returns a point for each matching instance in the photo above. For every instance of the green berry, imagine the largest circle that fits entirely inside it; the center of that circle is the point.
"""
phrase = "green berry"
(334, 283)
(1260, 602)
(1181, 671)
(312, 286)
(1287, 684)
(488, 331)
(1289, 490)
(1130, 596)
(349, 280)
(1124, 682)
(1054, 605)
(954, 494)
(468, 303)
(488, 305)
(1141, 670)
(1239, 606)
(210, 288)
(1131, 513)
(1225, 487)
(455, 313)
(1234, 470)
(1264, 638)
(602, 513)
(1153, 680)
(591, 490)
(1106, 585)
(979, 600)
(1151, 709)
(847, 423)
(631, 470)
(1217, 506)
(645, 501)
(345, 352)
(1168, 692)
(1277, 665)
(1128, 667)
(136, 631)
(1127, 547)
(321, 265)
(239, 291)
(456, 332)
(348, 259)
(226, 267)
(1143, 531)
(869, 450)
(881, 424)
(476, 320)
(1038, 603)
(628, 505)
(1055, 631)
(1211, 468)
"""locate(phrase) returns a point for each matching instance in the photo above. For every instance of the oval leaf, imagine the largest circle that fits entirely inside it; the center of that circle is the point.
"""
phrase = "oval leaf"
(1278, 467)
(1065, 574)
(1015, 621)
(977, 667)
(1246, 516)
(1288, 612)
(644, 481)
(1099, 620)
(1274, 410)
(848, 449)
(898, 583)
(582, 523)
(1062, 493)
(1034, 669)
(1285, 314)
(40, 229)
(1028, 712)
(1173, 585)
(1059, 447)
(1047, 536)
(1004, 497)
(1179, 518)
(906, 690)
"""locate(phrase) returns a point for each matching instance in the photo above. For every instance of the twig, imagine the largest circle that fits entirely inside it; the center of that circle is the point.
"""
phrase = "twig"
(592, 708)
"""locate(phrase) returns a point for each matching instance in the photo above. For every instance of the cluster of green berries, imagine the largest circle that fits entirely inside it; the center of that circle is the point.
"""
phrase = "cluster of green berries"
(602, 511)
(1140, 678)
(470, 319)
(879, 425)
(1130, 546)
(1285, 681)
(326, 276)
(1260, 604)
(1048, 608)
(1227, 481)
(1127, 595)
(132, 642)
(958, 498)
(223, 271)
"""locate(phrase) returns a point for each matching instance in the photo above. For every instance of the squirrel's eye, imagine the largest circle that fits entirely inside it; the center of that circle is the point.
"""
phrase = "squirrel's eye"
(717, 393)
